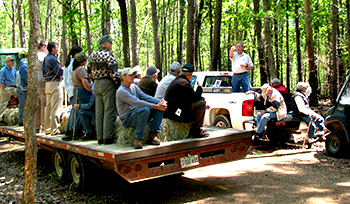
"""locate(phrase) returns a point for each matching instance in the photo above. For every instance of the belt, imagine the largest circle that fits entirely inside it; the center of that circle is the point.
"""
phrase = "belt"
(241, 73)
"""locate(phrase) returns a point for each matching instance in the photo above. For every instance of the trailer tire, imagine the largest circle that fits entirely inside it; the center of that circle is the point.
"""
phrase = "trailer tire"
(59, 164)
(222, 121)
(77, 172)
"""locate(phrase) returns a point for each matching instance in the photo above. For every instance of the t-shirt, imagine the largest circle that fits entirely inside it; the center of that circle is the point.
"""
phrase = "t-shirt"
(77, 74)
(241, 59)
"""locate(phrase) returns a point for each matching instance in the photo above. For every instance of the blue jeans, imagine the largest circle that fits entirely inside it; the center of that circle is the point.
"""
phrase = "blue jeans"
(238, 80)
(139, 118)
(86, 120)
(105, 108)
(262, 121)
(319, 123)
(22, 95)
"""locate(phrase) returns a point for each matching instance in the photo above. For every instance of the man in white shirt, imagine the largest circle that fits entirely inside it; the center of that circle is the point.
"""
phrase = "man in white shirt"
(174, 71)
(241, 64)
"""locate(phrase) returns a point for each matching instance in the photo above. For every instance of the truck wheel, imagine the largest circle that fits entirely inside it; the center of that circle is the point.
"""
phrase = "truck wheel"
(59, 165)
(77, 172)
(335, 145)
(222, 121)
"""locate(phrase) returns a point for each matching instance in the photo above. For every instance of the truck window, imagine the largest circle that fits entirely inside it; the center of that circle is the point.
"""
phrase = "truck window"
(345, 98)
(217, 81)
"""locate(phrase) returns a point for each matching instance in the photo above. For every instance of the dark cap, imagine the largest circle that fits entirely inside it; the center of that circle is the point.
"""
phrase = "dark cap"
(80, 57)
(188, 68)
(105, 39)
(152, 70)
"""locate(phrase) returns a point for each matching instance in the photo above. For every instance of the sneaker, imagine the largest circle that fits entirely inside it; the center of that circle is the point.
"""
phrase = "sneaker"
(137, 143)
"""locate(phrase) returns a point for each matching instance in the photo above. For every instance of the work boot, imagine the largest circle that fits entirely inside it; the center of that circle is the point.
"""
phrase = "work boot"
(153, 139)
(137, 143)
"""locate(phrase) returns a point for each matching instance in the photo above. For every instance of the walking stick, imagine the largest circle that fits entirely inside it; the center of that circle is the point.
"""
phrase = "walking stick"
(75, 111)
(307, 132)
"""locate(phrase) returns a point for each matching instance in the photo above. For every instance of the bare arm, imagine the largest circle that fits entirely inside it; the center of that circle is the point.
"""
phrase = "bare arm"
(232, 56)
(86, 84)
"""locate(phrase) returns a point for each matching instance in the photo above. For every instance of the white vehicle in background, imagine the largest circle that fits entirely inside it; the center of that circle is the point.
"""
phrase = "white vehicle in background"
(227, 109)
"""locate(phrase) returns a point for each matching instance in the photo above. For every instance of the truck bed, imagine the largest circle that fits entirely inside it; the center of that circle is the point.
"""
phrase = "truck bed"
(223, 144)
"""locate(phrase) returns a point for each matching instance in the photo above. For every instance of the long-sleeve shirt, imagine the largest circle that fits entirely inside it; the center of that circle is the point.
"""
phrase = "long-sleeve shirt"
(52, 69)
(68, 85)
(8, 76)
(23, 72)
(128, 99)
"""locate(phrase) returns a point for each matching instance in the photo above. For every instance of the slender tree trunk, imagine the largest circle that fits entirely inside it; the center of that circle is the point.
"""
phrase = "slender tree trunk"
(180, 35)
(211, 27)
(72, 34)
(191, 31)
(198, 29)
(64, 41)
(260, 42)
(287, 50)
(335, 35)
(215, 58)
(156, 35)
(268, 39)
(14, 39)
(20, 23)
(47, 19)
(297, 36)
(275, 27)
(31, 148)
(311, 55)
(134, 44)
(126, 46)
(87, 27)
(348, 28)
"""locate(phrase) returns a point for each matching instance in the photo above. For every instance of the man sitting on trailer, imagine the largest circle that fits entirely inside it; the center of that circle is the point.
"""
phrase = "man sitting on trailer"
(300, 98)
(136, 108)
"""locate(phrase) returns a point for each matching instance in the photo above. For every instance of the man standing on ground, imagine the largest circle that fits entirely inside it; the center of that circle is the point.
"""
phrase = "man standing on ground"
(39, 116)
(174, 71)
(241, 64)
(53, 74)
(136, 108)
(104, 71)
(7, 83)
(184, 104)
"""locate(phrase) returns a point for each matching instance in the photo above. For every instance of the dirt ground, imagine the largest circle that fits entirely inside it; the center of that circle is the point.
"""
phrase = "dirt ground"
(287, 174)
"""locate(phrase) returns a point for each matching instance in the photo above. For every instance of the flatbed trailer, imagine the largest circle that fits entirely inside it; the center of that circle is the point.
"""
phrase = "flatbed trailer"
(71, 158)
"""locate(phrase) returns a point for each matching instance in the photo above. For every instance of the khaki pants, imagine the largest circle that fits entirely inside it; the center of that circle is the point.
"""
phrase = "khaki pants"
(39, 116)
(5, 97)
(54, 100)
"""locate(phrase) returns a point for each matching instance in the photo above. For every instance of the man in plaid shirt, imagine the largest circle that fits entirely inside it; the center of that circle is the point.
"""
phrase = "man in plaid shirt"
(103, 69)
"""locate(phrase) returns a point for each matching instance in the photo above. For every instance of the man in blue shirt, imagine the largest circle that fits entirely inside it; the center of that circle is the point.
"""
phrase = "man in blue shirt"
(53, 74)
(22, 88)
(7, 83)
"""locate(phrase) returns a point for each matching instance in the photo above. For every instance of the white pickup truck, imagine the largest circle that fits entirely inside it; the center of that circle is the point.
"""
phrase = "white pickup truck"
(227, 109)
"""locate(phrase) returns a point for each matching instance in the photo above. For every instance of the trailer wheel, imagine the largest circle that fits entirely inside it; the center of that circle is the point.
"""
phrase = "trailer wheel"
(222, 121)
(335, 145)
(77, 172)
(59, 165)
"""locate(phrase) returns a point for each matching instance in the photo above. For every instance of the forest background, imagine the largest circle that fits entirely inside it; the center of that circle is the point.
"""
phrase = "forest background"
(291, 39)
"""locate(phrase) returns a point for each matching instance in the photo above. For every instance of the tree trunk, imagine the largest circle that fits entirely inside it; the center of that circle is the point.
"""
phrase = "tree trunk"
(156, 35)
(87, 27)
(297, 36)
(72, 34)
(14, 39)
(215, 58)
(106, 19)
(134, 44)
(180, 35)
(198, 29)
(348, 28)
(211, 28)
(191, 31)
(287, 50)
(275, 27)
(64, 41)
(20, 24)
(311, 55)
(260, 42)
(335, 35)
(126, 46)
(268, 39)
(31, 148)
(47, 20)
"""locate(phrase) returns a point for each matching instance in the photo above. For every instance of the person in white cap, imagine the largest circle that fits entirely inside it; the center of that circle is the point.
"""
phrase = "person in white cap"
(7, 83)
(138, 74)
(148, 84)
(275, 83)
(174, 71)
(300, 97)
(275, 108)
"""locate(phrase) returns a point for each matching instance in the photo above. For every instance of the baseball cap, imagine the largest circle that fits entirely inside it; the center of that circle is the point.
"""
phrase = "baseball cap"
(302, 84)
(80, 57)
(137, 69)
(128, 71)
(152, 70)
(275, 80)
(9, 58)
(105, 39)
(188, 68)
(175, 67)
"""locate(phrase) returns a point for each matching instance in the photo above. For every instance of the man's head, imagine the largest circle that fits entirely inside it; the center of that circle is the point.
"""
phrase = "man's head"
(175, 68)
(187, 70)
(81, 57)
(266, 90)
(152, 72)
(128, 76)
(10, 61)
(105, 42)
(42, 46)
(303, 86)
(239, 47)
(275, 82)
(138, 71)
(52, 47)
